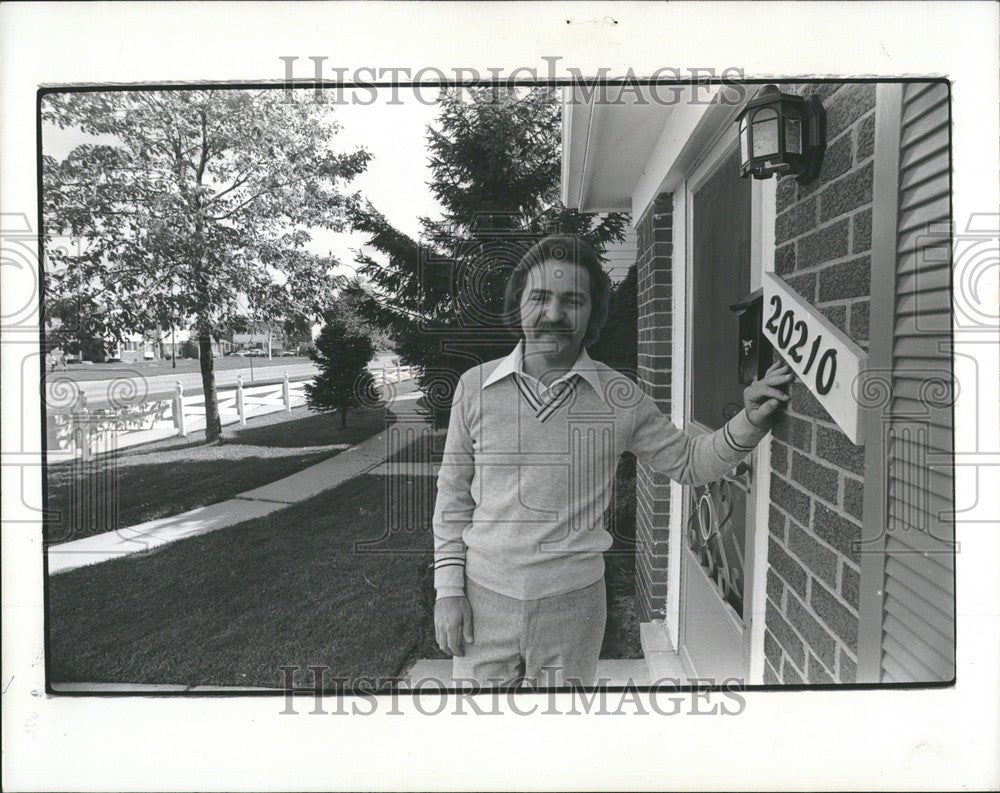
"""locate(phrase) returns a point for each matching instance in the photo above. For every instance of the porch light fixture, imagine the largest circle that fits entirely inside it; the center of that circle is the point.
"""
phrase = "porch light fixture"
(781, 134)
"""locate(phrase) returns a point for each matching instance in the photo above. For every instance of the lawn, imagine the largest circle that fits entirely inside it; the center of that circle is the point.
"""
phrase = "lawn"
(233, 606)
(172, 476)
(342, 580)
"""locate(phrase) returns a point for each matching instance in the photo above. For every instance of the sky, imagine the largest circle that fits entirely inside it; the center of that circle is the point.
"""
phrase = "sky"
(395, 181)
(397, 176)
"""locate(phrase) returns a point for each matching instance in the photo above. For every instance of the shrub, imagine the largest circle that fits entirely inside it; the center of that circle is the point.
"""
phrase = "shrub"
(342, 352)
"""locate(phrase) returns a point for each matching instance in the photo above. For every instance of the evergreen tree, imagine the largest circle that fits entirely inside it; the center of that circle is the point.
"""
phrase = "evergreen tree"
(618, 345)
(342, 352)
(495, 158)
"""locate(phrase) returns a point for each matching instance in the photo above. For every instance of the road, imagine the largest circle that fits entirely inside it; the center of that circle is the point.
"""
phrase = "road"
(144, 383)
(162, 386)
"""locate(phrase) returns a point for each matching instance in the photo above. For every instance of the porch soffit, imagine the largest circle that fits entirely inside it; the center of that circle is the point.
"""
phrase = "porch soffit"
(616, 155)
(606, 148)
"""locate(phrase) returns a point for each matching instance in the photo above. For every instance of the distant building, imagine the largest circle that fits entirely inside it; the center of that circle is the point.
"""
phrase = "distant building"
(162, 344)
(265, 336)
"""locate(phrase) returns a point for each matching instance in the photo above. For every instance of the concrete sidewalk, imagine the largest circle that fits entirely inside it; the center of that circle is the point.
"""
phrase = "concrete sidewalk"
(367, 456)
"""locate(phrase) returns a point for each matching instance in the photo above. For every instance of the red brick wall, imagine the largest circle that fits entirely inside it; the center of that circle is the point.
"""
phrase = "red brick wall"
(653, 263)
(823, 251)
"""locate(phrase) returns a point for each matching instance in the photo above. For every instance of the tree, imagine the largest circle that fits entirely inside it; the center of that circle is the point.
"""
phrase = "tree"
(78, 328)
(495, 158)
(193, 206)
(618, 345)
(342, 352)
(351, 301)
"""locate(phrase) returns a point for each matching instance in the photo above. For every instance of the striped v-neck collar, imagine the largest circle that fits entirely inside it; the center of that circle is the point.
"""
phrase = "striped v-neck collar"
(544, 408)
(584, 369)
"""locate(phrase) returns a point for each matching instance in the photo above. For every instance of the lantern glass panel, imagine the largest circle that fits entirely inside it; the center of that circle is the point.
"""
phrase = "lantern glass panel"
(765, 132)
(793, 135)
(744, 145)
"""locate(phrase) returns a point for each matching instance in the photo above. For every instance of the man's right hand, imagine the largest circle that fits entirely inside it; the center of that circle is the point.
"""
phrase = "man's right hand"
(453, 624)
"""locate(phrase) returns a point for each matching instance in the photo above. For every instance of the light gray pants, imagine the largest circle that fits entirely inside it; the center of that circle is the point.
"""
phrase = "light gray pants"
(548, 642)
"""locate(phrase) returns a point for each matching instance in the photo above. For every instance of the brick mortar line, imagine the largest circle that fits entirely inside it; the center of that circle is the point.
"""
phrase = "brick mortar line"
(816, 459)
(854, 612)
(845, 302)
(849, 130)
(820, 540)
(813, 577)
(842, 477)
(806, 645)
(813, 496)
(804, 416)
(824, 224)
(821, 267)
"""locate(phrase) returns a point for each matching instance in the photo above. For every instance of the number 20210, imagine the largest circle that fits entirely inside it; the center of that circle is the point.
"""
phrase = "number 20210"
(785, 328)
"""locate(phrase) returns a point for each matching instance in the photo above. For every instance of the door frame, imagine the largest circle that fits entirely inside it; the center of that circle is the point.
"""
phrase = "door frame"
(716, 145)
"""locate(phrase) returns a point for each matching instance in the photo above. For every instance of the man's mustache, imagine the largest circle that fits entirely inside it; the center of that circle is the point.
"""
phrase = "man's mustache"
(545, 326)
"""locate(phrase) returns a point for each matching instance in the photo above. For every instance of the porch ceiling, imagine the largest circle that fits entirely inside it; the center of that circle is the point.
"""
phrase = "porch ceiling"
(619, 149)
(606, 147)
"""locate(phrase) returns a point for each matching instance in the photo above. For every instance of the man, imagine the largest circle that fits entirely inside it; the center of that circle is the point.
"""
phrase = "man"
(530, 456)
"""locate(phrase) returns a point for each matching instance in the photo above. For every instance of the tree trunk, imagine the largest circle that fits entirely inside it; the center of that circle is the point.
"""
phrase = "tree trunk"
(213, 425)
(343, 418)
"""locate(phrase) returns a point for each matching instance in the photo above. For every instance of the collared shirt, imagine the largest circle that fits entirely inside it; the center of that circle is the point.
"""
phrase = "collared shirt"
(545, 400)
(523, 486)
(584, 367)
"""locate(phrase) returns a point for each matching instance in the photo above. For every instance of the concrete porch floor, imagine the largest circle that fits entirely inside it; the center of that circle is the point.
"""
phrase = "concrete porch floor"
(657, 650)
(617, 672)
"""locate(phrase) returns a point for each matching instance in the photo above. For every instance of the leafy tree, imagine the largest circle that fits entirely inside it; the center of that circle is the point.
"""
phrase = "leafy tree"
(193, 207)
(495, 159)
(342, 352)
(78, 328)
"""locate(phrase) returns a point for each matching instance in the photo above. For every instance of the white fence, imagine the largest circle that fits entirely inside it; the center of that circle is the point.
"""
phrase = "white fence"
(237, 405)
(81, 431)
(392, 374)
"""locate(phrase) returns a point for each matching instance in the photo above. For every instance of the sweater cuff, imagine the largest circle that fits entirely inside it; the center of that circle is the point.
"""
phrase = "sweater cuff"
(739, 437)
(449, 576)
(449, 592)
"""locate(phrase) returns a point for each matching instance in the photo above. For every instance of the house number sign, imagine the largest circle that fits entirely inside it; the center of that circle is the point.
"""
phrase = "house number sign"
(823, 356)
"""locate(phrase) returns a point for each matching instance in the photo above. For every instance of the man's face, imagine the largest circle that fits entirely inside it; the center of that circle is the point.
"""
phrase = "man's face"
(555, 306)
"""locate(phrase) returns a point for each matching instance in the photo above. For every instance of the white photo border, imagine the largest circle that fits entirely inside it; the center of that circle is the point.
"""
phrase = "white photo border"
(874, 739)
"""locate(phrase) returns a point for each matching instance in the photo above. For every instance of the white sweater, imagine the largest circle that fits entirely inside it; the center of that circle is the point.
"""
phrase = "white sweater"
(524, 485)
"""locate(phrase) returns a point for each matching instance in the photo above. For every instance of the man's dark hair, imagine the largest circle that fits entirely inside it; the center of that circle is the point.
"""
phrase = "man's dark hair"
(572, 250)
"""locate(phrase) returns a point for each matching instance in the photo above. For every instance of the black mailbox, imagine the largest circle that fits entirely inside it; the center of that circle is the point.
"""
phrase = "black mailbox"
(756, 352)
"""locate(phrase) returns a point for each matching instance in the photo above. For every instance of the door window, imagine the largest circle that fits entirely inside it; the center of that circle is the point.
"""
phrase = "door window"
(715, 532)
(720, 277)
